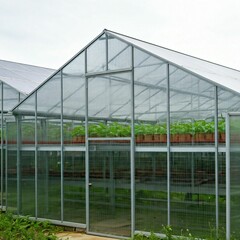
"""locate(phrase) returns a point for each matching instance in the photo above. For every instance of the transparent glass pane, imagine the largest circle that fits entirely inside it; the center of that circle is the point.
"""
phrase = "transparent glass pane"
(96, 55)
(222, 189)
(151, 191)
(227, 102)
(74, 88)
(119, 54)
(234, 174)
(74, 187)
(150, 83)
(11, 97)
(28, 131)
(110, 190)
(193, 192)
(49, 96)
(192, 107)
(28, 106)
(27, 183)
(49, 131)
(12, 181)
(49, 185)
(109, 96)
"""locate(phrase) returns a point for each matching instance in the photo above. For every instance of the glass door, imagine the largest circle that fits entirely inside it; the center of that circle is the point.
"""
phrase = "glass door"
(109, 187)
(233, 173)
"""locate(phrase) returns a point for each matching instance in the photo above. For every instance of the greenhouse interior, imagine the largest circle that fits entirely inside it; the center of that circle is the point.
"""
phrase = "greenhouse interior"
(126, 137)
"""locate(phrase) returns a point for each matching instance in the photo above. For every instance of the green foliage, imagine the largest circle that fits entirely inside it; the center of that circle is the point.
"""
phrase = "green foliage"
(116, 129)
(167, 234)
(22, 228)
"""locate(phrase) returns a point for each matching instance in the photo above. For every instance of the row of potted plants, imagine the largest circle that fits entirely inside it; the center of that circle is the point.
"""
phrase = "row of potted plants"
(200, 131)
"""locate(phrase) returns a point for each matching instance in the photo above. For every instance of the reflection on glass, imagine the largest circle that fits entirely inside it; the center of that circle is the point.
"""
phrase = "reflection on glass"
(110, 193)
(151, 191)
(193, 192)
(49, 185)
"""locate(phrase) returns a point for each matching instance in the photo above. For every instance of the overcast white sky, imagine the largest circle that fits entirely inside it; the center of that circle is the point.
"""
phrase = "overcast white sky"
(49, 32)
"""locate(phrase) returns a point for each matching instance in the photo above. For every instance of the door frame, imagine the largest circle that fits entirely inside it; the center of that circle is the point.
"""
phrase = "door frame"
(228, 176)
(132, 183)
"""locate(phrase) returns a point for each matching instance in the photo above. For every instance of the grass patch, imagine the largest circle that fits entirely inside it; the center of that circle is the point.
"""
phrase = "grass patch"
(22, 228)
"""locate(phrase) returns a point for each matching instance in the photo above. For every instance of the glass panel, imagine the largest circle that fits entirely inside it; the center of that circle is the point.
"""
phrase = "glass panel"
(28, 105)
(49, 131)
(109, 106)
(193, 192)
(227, 102)
(192, 106)
(119, 54)
(151, 191)
(110, 188)
(28, 131)
(150, 99)
(234, 174)
(27, 183)
(74, 88)
(96, 55)
(12, 181)
(74, 101)
(11, 97)
(49, 101)
(222, 189)
(74, 187)
(49, 185)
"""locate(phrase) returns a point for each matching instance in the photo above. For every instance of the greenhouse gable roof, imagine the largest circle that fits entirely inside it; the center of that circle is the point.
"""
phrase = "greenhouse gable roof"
(23, 77)
(216, 73)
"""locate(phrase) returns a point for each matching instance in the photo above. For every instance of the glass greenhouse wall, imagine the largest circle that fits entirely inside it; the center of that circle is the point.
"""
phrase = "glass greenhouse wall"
(120, 140)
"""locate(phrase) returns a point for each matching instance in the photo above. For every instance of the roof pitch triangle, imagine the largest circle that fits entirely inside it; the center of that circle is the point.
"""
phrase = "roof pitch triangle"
(215, 73)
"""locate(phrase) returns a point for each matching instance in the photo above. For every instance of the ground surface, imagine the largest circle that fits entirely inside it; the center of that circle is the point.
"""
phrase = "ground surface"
(80, 236)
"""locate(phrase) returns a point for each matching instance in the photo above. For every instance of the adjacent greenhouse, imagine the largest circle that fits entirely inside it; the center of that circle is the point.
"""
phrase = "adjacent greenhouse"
(128, 136)
(17, 80)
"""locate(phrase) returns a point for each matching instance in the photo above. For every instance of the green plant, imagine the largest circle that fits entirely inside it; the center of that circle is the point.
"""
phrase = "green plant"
(22, 228)
(78, 131)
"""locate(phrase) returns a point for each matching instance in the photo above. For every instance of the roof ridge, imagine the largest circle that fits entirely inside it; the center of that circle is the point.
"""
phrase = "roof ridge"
(188, 55)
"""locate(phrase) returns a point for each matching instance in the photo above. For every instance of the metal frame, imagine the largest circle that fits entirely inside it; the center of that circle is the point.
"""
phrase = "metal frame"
(168, 149)
(133, 149)
(1, 201)
(228, 210)
(228, 174)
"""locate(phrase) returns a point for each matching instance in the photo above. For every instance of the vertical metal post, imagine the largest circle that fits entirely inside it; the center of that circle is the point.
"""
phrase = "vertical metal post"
(228, 165)
(168, 148)
(6, 166)
(132, 152)
(86, 147)
(106, 52)
(19, 190)
(2, 145)
(62, 158)
(216, 160)
(36, 159)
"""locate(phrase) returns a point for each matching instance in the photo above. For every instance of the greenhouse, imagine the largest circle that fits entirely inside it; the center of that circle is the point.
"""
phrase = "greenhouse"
(17, 80)
(128, 136)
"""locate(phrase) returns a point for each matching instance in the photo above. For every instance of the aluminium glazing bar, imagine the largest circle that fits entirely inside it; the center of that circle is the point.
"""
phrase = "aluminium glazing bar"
(18, 164)
(168, 148)
(62, 158)
(216, 160)
(109, 72)
(228, 213)
(36, 159)
(2, 145)
(87, 148)
(6, 167)
(132, 144)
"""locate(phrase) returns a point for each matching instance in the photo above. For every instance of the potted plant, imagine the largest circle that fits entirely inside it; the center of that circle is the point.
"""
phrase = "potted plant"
(78, 134)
